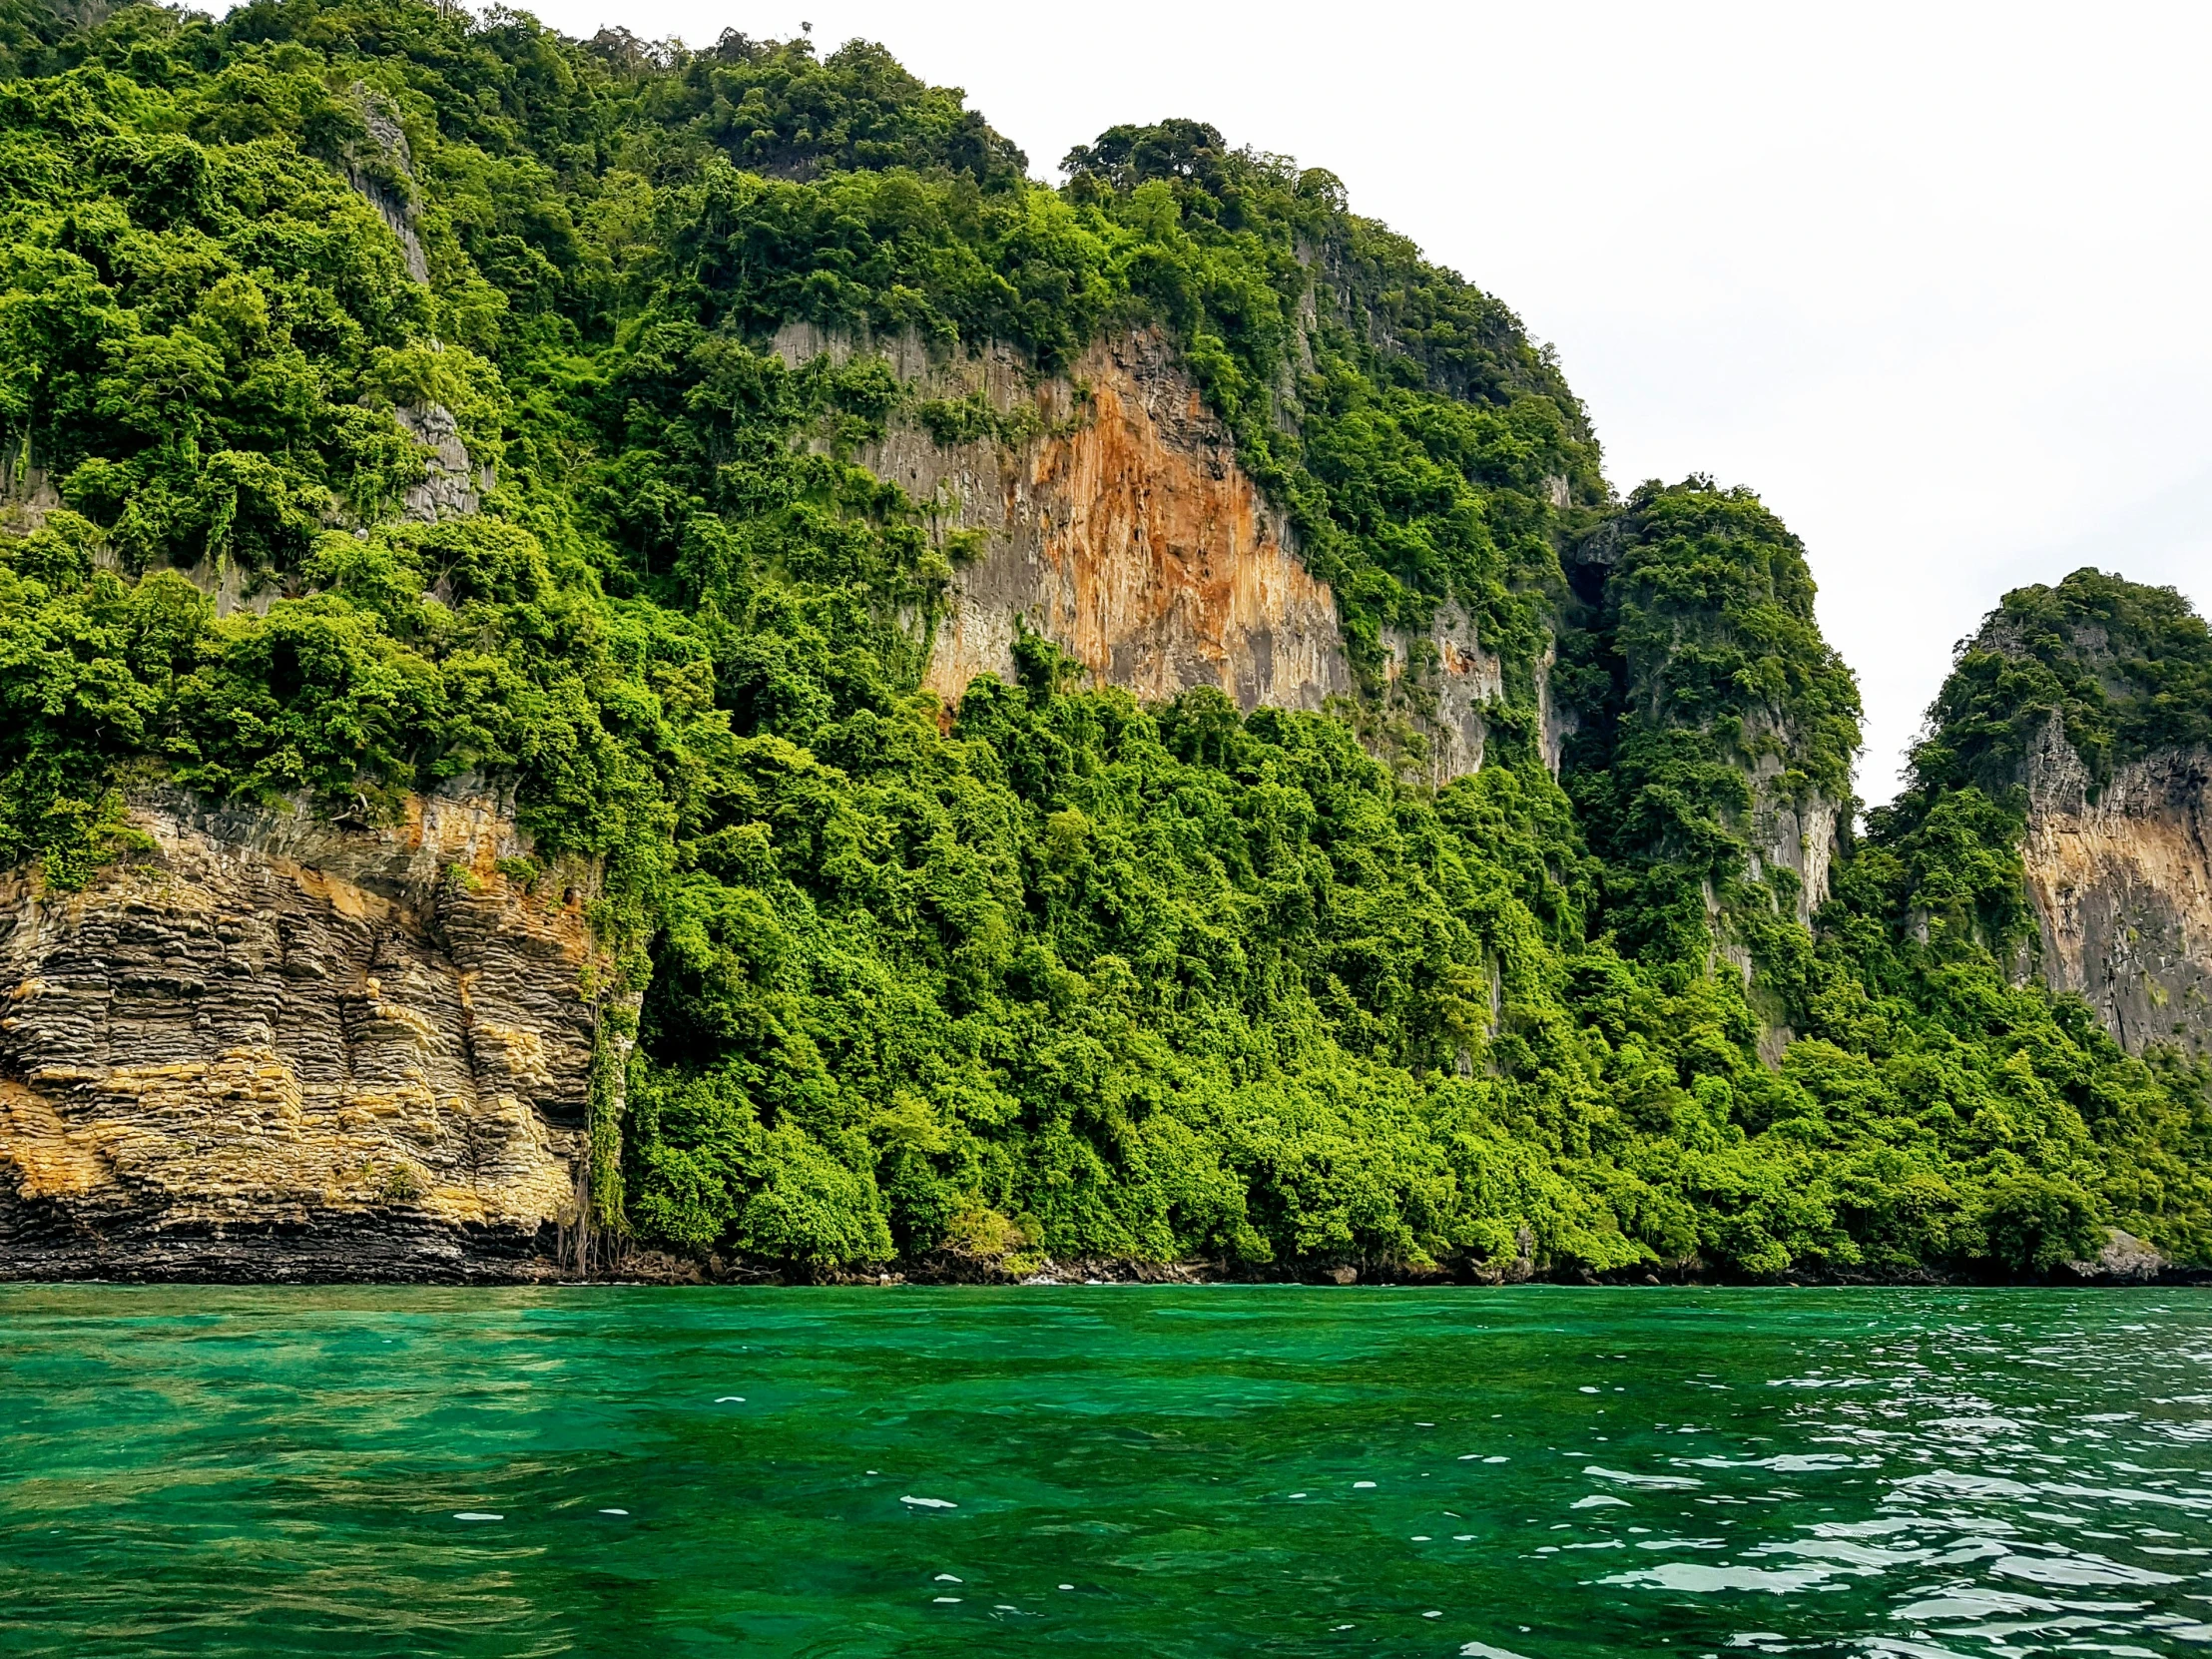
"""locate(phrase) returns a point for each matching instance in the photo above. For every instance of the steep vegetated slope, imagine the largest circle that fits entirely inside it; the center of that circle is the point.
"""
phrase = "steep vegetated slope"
(400, 408)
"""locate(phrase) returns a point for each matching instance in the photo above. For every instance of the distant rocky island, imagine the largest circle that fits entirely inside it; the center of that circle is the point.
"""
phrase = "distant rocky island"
(626, 660)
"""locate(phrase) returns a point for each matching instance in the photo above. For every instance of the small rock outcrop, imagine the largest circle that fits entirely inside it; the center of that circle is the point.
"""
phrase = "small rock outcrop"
(452, 486)
(2124, 1259)
(267, 1045)
(1451, 678)
(27, 495)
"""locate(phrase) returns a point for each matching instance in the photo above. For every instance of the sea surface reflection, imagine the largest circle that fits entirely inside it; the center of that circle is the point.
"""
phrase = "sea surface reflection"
(1533, 1472)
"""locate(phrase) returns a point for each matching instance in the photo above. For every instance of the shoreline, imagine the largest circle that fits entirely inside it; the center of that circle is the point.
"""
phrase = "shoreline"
(406, 1247)
(674, 1272)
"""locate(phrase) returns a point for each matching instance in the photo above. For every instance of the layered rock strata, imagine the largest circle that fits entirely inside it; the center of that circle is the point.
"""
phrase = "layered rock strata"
(271, 1046)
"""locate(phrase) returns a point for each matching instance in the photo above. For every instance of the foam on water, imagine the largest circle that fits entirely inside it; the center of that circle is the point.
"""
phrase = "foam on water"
(1658, 1482)
(1701, 1579)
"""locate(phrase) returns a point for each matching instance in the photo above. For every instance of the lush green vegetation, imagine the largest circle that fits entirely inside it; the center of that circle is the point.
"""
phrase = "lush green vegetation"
(1061, 974)
(1695, 666)
(2124, 669)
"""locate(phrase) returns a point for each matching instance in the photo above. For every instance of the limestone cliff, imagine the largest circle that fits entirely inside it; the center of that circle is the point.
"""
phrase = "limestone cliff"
(2087, 706)
(2121, 878)
(1790, 826)
(268, 1045)
(1116, 522)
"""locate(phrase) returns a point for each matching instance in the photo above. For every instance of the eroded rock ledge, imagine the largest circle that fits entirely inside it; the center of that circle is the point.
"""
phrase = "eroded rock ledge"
(271, 1046)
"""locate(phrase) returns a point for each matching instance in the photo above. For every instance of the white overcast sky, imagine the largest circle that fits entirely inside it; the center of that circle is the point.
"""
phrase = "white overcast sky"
(1933, 280)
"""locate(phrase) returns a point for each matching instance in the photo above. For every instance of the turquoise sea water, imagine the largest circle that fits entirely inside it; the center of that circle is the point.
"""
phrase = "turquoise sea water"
(1223, 1470)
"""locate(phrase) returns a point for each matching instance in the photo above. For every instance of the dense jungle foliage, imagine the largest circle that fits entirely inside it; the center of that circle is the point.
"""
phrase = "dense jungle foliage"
(1054, 973)
(2126, 670)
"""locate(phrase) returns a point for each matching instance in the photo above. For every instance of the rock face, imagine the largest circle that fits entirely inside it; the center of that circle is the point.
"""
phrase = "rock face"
(1450, 680)
(452, 484)
(1449, 683)
(1117, 522)
(2124, 1259)
(2121, 882)
(1556, 721)
(270, 1046)
(27, 495)
(1796, 833)
(383, 173)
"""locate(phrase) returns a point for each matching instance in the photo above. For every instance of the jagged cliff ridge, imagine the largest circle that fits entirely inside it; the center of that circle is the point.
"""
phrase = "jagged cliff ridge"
(267, 1045)
(794, 381)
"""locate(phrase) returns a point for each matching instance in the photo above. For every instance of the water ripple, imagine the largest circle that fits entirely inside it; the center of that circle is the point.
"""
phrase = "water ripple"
(1519, 1474)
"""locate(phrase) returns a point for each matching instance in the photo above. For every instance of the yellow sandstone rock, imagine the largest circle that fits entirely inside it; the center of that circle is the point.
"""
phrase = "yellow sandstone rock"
(277, 1046)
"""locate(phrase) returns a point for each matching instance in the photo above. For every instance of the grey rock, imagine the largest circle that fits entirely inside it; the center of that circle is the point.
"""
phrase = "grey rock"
(396, 210)
(2124, 1257)
(450, 479)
